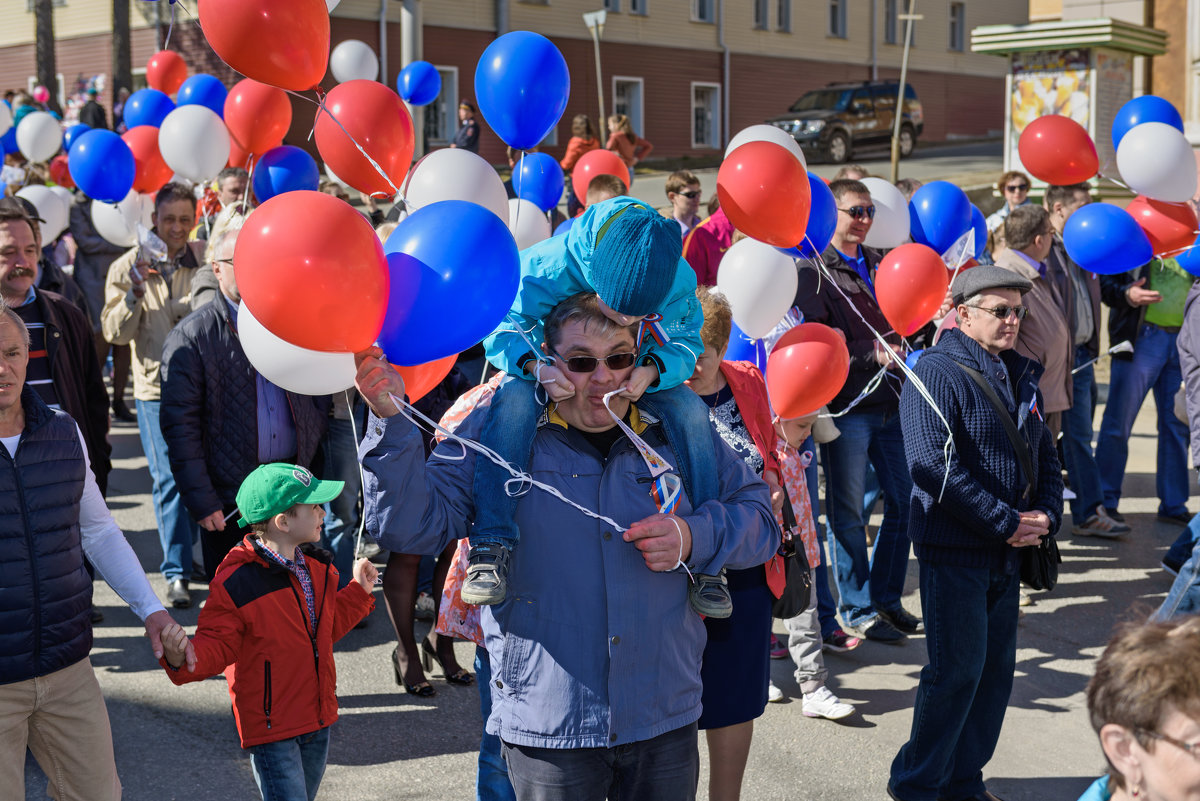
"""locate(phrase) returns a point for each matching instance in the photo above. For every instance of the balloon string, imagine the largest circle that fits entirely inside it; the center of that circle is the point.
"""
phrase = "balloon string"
(362, 520)
(322, 107)
(170, 26)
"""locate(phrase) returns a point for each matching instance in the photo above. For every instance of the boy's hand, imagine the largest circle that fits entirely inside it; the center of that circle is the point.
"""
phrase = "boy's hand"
(375, 379)
(558, 386)
(365, 574)
(175, 646)
(639, 381)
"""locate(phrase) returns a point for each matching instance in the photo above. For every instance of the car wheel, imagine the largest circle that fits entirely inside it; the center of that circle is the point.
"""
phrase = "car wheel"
(908, 141)
(838, 148)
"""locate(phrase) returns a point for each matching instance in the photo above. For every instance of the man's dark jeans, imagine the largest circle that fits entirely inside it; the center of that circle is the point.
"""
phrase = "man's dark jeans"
(971, 636)
(664, 768)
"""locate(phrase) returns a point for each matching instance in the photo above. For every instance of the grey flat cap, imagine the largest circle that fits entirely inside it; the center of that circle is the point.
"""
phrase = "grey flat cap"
(984, 277)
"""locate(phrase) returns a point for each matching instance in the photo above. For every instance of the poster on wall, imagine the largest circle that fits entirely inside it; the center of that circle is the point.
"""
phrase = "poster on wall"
(1114, 88)
(1047, 82)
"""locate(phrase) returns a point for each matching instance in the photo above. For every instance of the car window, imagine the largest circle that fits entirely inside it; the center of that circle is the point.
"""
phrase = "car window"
(884, 96)
(860, 103)
(823, 100)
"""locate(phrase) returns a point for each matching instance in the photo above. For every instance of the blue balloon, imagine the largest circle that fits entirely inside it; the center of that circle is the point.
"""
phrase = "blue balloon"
(419, 83)
(284, 169)
(564, 226)
(9, 141)
(538, 179)
(979, 223)
(1189, 260)
(203, 90)
(1147, 108)
(822, 219)
(744, 349)
(447, 291)
(102, 165)
(147, 107)
(940, 214)
(1104, 239)
(73, 133)
(522, 85)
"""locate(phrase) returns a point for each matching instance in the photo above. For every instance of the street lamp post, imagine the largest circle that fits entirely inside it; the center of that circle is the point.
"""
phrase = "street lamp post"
(909, 19)
(595, 25)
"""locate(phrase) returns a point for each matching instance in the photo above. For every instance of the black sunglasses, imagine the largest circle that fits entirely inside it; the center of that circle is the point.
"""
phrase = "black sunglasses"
(858, 212)
(1017, 188)
(588, 364)
(691, 194)
(1002, 312)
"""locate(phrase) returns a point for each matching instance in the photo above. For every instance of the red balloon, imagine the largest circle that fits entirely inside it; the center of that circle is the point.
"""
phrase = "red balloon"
(283, 43)
(1058, 150)
(593, 163)
(257, 116)
(151, 171)
(765, 193)
(420, 379)
(166, 71)
(1171, 227)
(60, 173)
(806, 369)
(910, 286)
(311, 270)
(377, 120)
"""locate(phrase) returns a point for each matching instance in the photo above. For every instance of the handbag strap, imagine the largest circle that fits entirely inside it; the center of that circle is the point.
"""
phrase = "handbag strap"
(1010, 428)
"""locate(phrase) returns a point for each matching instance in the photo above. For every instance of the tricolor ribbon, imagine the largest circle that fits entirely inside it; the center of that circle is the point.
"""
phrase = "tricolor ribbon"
(651, 326)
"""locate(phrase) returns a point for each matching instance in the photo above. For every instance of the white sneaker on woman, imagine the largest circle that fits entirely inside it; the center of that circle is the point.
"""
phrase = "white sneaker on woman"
(824, 704)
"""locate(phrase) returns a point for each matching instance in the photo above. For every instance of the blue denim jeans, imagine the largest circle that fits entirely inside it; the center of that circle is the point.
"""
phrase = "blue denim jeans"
(491, 780)
(971, 637)
(341, 522)
(1155, 365)
(176, 529)
(1077, 442)
(865, 583)
(1181, 550)
(1184, 597)
(291, 769)
(826, 607)
(663, 768)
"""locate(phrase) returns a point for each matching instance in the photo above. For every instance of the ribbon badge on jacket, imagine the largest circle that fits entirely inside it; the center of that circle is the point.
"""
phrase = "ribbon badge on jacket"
(667, 486)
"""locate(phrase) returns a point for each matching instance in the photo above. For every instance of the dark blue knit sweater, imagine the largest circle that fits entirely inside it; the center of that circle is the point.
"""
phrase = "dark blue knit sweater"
(977, 511)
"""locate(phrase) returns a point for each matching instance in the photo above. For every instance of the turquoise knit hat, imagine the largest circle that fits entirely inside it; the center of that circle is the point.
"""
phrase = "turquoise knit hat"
(634, 262)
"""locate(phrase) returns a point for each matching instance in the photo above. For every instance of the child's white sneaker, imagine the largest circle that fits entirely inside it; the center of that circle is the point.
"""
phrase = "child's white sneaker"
(824, 704)
(774, 694)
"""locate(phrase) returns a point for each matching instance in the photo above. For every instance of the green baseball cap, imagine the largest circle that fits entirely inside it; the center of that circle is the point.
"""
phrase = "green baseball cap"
(274, 488)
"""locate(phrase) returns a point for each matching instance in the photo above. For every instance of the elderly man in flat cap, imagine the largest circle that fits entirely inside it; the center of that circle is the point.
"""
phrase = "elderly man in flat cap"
(999, 489)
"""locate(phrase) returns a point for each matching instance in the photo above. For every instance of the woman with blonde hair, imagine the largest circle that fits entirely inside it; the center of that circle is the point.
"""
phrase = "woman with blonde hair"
(625, 143)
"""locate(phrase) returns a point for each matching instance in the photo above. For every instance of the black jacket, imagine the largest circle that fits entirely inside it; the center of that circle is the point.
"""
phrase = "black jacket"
(209, 412)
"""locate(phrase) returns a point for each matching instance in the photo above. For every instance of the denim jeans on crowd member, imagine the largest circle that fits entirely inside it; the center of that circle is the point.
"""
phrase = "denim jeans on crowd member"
(1155, 365)
(291, 769)
(663, 768)
(341, 522)
(1077, 442)
(1184, 597)
(1181, 550)
(176, 530)
(826, 607)
(867, 584)
(491, 779)
(971, 638)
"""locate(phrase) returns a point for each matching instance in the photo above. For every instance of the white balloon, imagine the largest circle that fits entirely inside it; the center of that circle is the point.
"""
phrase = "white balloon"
(50, 207)
(455, 174)
(767, 133)
(527, 223)
(332, 4)
(760, 284)
(353, 60)
(39, 136)
(118, 222)
(194, 143)
(67, 196)
(5, 118)
(1156, 160)
(890, 228)
(299, 370)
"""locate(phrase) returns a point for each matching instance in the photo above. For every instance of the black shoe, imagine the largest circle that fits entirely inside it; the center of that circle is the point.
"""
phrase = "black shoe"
(984, 796)
(422, 688)
(902, 620)
(709, 596)
(883, 631)
(178, 595)
(487, 575)
(121, 411)
(1183, 518)
(1115, 515)
(429, 655)
(1171, 566)
(97, 616)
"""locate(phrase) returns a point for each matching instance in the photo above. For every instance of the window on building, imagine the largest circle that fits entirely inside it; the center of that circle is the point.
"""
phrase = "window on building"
(837, 18)
(760, 14)
(891, 22)
(612, 5)
(784, 12)
(702, 10)
(639, 7)
(29, 4)
(441, 116)
(958, 26)
(627, 100)
(706, 115)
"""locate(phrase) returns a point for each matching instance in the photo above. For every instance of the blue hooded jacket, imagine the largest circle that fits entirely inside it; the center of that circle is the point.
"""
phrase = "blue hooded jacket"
(557, 268)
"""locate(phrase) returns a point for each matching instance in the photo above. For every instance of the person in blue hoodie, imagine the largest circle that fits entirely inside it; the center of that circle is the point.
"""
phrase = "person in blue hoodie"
(630, 255)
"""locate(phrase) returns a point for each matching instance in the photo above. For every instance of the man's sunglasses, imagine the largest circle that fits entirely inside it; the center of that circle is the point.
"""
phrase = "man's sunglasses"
(1017, 188)
(588, 364)
(1003, 312)
(694, 193)
(858, 212)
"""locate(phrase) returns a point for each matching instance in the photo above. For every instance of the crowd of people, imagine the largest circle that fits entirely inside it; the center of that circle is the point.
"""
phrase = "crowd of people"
(653, 474)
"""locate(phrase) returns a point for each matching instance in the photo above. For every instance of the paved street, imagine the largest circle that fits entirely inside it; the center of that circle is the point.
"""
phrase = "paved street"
(180, 743)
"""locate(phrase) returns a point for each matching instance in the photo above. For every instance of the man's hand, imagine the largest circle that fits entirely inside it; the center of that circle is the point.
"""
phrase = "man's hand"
(365, 574)
(1032, 526)
(160, 627)
(1141, 297)
(664, 540)
(884, 355)
(777, 494)
(376, 379)
(213, 522)
(639, 381)
(137, 278)
(558, 387)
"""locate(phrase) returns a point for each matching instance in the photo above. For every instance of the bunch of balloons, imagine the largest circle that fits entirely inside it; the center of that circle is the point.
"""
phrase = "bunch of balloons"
(1153, 155)
(764, 186)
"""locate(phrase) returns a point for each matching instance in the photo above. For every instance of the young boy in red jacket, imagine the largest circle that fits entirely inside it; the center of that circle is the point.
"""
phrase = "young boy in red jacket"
(272, 617)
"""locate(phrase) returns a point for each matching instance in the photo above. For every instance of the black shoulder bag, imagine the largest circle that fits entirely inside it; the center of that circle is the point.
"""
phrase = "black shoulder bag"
(1039, 563)
(796, 571)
